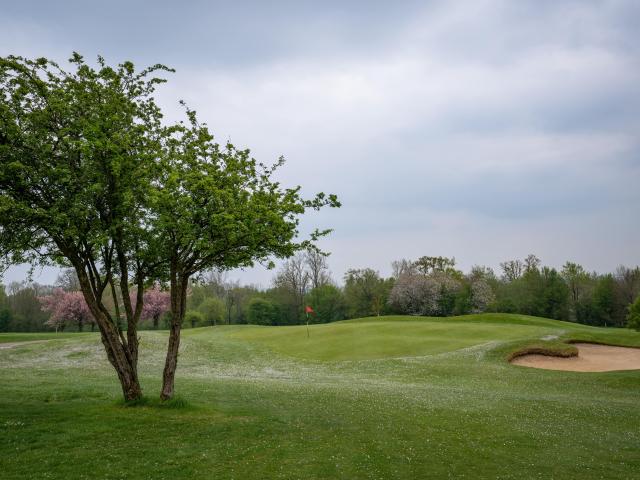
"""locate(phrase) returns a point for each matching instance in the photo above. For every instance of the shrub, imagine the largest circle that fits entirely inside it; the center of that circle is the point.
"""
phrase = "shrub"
(194, 318)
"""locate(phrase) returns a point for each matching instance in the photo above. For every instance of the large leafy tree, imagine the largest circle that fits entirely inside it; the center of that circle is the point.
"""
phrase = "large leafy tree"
(76, 151)
(91, 179)
(215, 207)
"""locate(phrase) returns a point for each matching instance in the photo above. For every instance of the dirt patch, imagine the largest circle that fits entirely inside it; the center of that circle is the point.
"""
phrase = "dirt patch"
(591, 358)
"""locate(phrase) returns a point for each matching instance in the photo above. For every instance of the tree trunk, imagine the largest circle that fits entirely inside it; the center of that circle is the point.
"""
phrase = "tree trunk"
(156, 318)
(179, 285)
(119, 358)
(80, 325)
(114, 344)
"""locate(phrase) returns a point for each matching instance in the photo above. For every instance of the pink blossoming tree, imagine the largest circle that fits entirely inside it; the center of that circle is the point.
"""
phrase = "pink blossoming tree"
(156, 302)
(66, 308)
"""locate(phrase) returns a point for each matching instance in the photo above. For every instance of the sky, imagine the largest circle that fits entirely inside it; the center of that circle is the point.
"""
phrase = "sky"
(483, 130)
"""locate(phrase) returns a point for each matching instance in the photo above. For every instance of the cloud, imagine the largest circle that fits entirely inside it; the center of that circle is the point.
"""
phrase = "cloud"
(481, 129)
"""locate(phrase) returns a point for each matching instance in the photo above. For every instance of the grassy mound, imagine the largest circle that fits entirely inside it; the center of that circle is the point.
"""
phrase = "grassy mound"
(396, 336)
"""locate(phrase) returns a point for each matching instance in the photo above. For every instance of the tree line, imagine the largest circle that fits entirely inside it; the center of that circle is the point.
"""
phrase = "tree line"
(427, 286)
(430, 285)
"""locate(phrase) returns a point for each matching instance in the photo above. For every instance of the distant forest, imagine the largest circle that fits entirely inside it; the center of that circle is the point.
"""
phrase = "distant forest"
(426, 286)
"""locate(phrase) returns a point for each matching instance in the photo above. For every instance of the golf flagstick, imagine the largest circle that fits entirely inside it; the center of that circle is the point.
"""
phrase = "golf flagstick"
(308, 310)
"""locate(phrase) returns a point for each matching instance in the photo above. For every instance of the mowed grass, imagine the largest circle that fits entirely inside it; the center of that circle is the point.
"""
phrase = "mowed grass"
(31, 337)
(372, 338)
(396, 397)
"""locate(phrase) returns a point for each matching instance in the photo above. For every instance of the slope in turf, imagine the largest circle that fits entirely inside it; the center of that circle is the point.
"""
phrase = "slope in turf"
(386, 337)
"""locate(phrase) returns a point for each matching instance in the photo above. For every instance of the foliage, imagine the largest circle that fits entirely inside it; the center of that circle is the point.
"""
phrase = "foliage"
(77, 154)
(328, 304)
(5, 319)
(215, 207)
(212, 310)
(365, 292)
(193, 318)
(92, 179)
(156, 303)
(66, 308)
(262, 312)
(633, 319)
(415, 294)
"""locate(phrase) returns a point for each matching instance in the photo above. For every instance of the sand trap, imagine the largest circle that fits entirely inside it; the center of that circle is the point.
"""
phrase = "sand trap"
(591, 358)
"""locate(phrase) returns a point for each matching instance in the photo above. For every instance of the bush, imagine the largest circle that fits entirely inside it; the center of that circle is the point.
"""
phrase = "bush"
(194, 318)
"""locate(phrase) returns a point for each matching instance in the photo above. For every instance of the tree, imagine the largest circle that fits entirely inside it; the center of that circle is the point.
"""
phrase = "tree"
(402, 266)
(627, 289)
(212, 310)
(317, 268)
(427, 265)
(66, 308)
(215, 207)
(68, 280)
(604, 300)
(327, 302)
(92, 180)
(5, 311)
(26, 312)
(261, 311)
(577, 280)
(628, 280)
(554, 296)
(365, 292)
(512, 270)
(633, 319)
(531, 263)
(293, 280)
(482, 295)
(77, 150)
(156, 303)
(449, 286)
(5, 319)
(415, 294)
(194, 318)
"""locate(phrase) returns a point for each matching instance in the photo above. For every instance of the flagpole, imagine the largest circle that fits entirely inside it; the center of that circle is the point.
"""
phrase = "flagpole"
(307, 324)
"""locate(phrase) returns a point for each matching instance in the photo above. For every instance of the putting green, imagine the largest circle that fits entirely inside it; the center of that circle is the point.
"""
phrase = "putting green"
(372, 338)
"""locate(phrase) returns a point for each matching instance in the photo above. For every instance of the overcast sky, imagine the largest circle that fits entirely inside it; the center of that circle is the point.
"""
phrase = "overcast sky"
(484, 130)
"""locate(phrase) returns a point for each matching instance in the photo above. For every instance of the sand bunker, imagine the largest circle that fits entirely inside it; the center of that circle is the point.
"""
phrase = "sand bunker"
(591, 358)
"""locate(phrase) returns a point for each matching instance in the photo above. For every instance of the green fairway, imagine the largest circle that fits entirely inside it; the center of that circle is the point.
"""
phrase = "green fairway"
(376, 398)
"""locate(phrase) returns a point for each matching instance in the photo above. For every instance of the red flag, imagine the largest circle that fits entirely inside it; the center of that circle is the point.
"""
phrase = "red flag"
(308, 309)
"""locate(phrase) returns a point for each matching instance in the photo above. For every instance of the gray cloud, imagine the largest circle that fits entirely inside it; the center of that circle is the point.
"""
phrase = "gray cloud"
(484, 130)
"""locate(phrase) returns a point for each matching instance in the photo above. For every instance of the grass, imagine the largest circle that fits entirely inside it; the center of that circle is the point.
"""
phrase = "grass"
(397, 397)
(30, 337)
